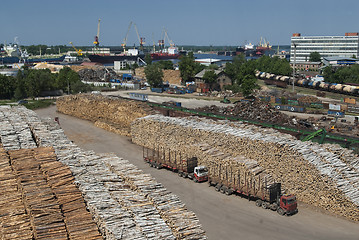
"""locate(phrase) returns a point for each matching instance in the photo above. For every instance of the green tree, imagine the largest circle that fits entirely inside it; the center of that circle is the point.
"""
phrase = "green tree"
(248, 85)
(210, 77)
(66, 78)
(148, 59)
(7, 87)
(154, 75)
(314, 57)
(166, 64)
(189, 68)
(213, 67)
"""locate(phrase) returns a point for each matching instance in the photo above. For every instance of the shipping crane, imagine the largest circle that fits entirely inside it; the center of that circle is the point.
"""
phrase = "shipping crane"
(140, 39)
(125, 39)
(79, 51)
(96, 42)
(169, 40)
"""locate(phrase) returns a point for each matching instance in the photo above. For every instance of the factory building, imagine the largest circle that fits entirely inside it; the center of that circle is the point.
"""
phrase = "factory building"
(327, 46)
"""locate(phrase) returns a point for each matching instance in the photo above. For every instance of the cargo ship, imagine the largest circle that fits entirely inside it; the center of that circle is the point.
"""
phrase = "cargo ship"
(132, 55)
(263, 45)
(170, 53)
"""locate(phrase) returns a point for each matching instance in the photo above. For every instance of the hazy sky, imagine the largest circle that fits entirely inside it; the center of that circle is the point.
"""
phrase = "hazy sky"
(188, 22)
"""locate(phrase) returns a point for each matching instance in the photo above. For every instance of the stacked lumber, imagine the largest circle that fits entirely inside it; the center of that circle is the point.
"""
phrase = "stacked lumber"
(325, 176)
(124, 202)
(14, 221)
(14, 134)
(55, 206)
(112, 114)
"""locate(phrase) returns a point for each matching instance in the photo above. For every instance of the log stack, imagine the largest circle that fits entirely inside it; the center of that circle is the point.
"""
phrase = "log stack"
(317, 175)
(45, 203)
(124, 202)
(112, 114)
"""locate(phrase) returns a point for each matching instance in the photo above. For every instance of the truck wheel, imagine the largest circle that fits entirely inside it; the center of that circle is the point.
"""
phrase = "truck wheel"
(151, 165)
(265, 205)
(280, 211)
(259, 203)
(228, 192)
(157, 166)
(195, 180)
(223, 189)
(218, 187)
(273, 207)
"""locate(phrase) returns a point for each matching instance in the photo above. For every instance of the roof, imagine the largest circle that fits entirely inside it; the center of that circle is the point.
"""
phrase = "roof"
(334, 58)
(201, 73)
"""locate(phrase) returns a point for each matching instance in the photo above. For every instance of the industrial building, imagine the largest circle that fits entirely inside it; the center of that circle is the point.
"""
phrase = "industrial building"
(326, 46)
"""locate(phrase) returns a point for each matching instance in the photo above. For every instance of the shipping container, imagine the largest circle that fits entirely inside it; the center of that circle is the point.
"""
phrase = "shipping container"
(334, 107)
(138, 96)
(157, 90)
(350, 100)
(336, 113)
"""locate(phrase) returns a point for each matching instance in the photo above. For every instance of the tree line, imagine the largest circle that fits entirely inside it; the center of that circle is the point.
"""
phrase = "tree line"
(30, 83)
(349, 74)
(240, 71)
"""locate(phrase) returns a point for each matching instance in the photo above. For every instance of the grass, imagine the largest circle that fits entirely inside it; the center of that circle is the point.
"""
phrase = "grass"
(37, 104)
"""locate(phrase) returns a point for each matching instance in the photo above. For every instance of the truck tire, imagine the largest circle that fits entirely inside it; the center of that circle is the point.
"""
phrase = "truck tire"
(280, 211)
(265, 205)
(195, 180)
(158, 166)
(259, 203)
(228, 191)
(273, 206)
(223, 189)
(218, 187)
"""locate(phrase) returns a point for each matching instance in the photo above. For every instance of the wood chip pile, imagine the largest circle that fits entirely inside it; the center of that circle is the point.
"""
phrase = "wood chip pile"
(112, 114)
(43, 201)
(172, 76)
(326, 176)
(124, 202)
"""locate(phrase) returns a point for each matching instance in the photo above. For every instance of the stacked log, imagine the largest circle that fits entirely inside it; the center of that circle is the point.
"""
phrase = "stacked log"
(112, 114)
(14, 221)
(170, 76)
(54, 206)
(124, 202)
(325, 179)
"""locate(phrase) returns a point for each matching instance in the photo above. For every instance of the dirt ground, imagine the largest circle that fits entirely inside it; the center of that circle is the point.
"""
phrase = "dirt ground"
(222, 217)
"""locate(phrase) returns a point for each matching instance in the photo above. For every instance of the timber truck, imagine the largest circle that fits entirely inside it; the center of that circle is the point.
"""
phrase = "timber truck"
(186, 167)
(267, 195)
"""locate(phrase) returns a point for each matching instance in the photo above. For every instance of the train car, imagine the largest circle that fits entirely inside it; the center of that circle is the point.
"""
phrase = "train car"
(338, 88)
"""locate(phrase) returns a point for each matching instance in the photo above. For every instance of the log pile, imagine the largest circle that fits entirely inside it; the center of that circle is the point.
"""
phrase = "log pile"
(99, 74)
(48, 197)
(112, 114)
(124, 202)
(325, 176)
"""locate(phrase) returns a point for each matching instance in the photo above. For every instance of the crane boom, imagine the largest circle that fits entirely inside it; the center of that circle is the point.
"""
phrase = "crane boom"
(125, 39)
(169, 40)
(79, 51)
(96, 42)
(140, 39)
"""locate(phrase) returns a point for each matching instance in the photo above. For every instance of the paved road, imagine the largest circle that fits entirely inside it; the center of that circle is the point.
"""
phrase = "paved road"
(222, 217)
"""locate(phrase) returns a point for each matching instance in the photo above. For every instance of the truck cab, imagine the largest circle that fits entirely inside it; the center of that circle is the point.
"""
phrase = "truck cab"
(200, 174)
(287, 205)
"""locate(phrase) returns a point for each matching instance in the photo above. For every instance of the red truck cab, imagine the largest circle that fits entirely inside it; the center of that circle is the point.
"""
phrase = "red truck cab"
(288, 205)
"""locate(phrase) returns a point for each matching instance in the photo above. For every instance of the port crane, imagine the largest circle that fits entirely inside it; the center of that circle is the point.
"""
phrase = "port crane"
(79, 51)
(96, 42)
(140, 39)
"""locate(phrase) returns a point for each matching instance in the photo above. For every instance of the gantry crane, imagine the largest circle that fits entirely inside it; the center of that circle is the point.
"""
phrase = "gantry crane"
(79, 51)
(96, 42)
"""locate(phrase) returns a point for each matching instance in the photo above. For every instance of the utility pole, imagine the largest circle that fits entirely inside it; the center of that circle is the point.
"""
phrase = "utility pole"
(295, 51)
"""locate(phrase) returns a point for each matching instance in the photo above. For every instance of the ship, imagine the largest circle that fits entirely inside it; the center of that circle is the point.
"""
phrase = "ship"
(170, 53)
(132, 55)
(263, 45)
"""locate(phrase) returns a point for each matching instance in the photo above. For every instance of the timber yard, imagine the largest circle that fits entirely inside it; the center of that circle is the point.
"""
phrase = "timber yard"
(187, 158)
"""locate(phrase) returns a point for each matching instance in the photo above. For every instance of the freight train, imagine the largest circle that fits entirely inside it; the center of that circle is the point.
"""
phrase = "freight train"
(308, 83)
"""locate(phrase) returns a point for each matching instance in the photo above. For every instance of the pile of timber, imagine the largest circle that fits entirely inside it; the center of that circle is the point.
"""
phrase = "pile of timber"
(42, 201)
(326, 176)
(112, 114)
(124, 202)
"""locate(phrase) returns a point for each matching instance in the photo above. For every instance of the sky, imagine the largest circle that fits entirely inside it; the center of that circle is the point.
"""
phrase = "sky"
(188, 22)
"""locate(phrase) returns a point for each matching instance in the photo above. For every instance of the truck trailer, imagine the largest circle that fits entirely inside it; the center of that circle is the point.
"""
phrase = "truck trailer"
(184, 166)
(267, 194)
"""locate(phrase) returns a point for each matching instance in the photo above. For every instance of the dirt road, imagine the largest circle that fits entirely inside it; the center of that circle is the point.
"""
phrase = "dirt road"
(222, 217)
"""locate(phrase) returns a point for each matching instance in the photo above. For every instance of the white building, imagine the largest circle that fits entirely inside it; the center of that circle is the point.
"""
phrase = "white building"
(326, 46)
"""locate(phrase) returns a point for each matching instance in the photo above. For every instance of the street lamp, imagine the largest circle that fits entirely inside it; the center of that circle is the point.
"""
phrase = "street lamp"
(295, 51)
